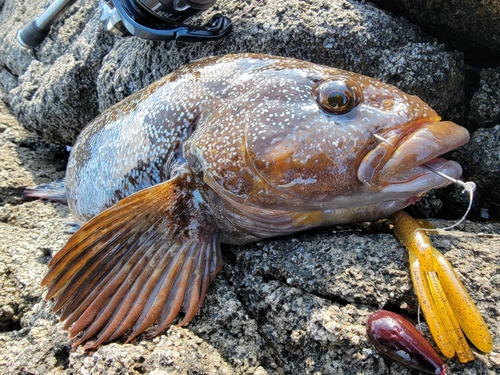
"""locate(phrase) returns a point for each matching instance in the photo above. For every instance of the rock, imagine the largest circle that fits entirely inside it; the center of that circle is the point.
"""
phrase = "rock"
(20, 150)
(485, 103)
(293, 305)
(481, 157)
(80, 69)
(469, 25)
(57, 85)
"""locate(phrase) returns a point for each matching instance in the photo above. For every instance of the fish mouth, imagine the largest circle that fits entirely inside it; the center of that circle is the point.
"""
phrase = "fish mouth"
(404, 163)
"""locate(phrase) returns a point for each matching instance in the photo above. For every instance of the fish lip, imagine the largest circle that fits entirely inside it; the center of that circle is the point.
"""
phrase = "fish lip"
(396, 163)
(422, 179)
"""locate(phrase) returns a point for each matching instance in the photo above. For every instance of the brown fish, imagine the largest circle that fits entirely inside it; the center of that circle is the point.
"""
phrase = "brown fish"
(229, 149)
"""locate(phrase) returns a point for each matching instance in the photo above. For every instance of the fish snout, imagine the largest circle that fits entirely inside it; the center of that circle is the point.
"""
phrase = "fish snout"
(397, 163)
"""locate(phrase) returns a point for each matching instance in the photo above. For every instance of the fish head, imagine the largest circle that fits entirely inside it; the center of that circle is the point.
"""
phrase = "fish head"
(298, 136)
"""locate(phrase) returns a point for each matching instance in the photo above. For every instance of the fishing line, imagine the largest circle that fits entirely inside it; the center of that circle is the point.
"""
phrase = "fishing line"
(469, 187)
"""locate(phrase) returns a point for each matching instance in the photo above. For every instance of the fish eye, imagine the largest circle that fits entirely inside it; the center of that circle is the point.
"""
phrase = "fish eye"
(337, 97)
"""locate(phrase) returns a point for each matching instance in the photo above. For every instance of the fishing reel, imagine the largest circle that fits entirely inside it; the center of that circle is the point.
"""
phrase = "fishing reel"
(147, 19)
(162, 19)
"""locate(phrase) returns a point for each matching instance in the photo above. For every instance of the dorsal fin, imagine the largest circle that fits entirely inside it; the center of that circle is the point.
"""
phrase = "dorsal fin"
(136, 263)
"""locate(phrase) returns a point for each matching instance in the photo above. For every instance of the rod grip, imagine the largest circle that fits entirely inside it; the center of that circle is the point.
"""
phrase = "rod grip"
(31, 36)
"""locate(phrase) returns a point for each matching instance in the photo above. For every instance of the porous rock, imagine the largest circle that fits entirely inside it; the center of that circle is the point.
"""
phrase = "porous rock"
(294, 305)
(485, 103)
(81, 70)
(469, 25)
(481, 157)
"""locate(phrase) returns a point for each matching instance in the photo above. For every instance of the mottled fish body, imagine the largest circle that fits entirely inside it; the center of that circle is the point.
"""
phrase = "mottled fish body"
(229, 149)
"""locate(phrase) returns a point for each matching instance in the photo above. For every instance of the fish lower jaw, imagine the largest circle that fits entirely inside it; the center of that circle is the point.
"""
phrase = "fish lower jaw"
(420, 179)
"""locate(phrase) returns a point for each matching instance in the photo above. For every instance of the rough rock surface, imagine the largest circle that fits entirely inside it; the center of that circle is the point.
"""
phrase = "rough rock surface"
(481, 156)
(470, 25)
(80, 63)
(485, 103)
(295, 305)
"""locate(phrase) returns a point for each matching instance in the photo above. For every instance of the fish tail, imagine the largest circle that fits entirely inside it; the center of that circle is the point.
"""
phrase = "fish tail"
(141, 261)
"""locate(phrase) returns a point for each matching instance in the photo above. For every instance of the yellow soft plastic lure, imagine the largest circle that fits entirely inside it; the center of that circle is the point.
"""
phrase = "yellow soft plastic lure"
(447, 307)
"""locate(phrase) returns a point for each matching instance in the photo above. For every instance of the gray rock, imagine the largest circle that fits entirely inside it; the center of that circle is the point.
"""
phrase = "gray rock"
(403, 68)
(21, 150)
(80, 70)
(481, 158)
(294, 305)
(56, 85)
(470, 25)
(485, 103)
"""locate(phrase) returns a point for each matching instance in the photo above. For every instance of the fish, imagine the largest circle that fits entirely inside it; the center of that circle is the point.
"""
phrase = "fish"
(229, 150)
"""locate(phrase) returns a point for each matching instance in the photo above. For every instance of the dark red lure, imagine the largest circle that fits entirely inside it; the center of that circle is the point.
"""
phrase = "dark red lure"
(395, 337)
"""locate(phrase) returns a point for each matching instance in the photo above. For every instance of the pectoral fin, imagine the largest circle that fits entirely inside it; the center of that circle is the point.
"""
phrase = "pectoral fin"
(137, 263)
